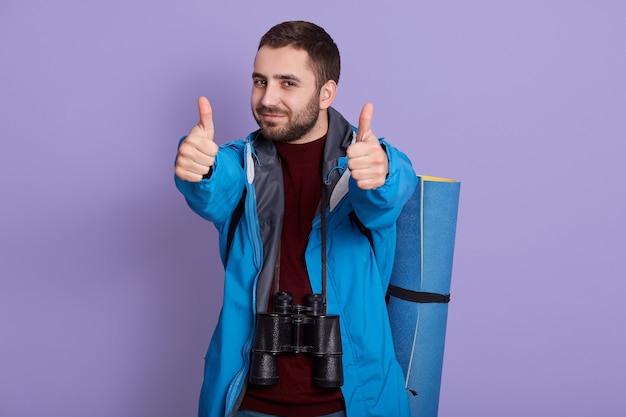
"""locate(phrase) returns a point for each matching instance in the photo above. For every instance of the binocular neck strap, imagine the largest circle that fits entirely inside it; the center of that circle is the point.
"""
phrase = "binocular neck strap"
(277, 271)
(323, 207)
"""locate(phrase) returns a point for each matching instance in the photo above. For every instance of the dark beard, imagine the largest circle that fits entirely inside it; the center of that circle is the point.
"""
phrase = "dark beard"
(301, 124)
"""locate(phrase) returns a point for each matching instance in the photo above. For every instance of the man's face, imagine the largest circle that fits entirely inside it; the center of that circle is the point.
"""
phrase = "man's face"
(285, 99)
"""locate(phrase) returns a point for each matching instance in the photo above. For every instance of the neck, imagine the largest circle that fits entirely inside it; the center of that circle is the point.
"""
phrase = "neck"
(320, 129)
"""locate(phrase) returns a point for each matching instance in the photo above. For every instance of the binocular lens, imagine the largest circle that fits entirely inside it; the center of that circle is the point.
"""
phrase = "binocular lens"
(263, 370)
(328, 372)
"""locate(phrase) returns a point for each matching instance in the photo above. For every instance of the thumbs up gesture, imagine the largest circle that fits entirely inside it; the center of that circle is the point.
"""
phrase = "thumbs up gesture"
(367, 159)
(196, 154)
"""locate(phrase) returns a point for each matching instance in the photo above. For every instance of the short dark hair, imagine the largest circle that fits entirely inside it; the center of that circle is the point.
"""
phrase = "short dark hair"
(322, 50)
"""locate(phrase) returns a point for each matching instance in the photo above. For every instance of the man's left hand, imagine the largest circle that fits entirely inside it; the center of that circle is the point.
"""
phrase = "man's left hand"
(367, 159)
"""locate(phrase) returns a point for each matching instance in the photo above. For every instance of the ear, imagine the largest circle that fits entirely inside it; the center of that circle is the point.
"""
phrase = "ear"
(328, 94)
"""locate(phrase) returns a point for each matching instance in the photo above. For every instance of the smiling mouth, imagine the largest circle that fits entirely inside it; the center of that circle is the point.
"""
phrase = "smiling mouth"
(270, 112)
(271, 119)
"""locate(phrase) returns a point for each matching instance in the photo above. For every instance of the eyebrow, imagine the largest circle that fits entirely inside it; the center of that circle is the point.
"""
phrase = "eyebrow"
(282, 77)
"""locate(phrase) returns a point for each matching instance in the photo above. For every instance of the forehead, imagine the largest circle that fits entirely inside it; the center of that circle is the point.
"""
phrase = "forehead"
(287, 60)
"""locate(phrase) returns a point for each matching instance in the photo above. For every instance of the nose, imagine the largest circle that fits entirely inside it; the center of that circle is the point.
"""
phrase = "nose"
(271, 96)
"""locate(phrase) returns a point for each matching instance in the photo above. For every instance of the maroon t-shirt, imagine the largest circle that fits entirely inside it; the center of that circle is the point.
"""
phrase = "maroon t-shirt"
(295, 394)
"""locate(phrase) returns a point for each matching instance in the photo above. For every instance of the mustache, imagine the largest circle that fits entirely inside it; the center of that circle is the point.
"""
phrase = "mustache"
(261, 109)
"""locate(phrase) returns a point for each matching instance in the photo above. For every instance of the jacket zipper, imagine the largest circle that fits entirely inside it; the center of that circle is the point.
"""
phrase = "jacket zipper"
(234, 390)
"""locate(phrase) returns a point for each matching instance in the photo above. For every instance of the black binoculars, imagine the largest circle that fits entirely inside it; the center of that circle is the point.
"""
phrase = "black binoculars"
(293, 329)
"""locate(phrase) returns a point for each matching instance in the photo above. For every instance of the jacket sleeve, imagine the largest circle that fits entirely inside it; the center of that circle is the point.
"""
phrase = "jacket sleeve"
(214, 198)
(380, 208)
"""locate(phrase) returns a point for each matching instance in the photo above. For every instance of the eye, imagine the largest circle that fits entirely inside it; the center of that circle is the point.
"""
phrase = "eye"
(259, 82)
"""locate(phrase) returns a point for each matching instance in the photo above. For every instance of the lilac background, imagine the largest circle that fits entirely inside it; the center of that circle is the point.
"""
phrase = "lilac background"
(110, 286)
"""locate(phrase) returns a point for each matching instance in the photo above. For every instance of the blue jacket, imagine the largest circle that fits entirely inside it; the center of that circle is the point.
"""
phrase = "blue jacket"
(358, 271)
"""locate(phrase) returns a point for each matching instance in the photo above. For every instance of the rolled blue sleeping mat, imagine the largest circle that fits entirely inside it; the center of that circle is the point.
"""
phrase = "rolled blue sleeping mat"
(419, 289)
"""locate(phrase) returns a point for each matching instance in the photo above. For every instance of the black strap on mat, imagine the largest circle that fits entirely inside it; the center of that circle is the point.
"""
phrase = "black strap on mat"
(416, 296)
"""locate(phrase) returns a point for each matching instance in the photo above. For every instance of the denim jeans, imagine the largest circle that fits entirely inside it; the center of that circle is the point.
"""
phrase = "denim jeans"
(248, 413)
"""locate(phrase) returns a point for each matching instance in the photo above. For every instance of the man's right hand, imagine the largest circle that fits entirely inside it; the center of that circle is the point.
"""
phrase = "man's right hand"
(196, 154)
